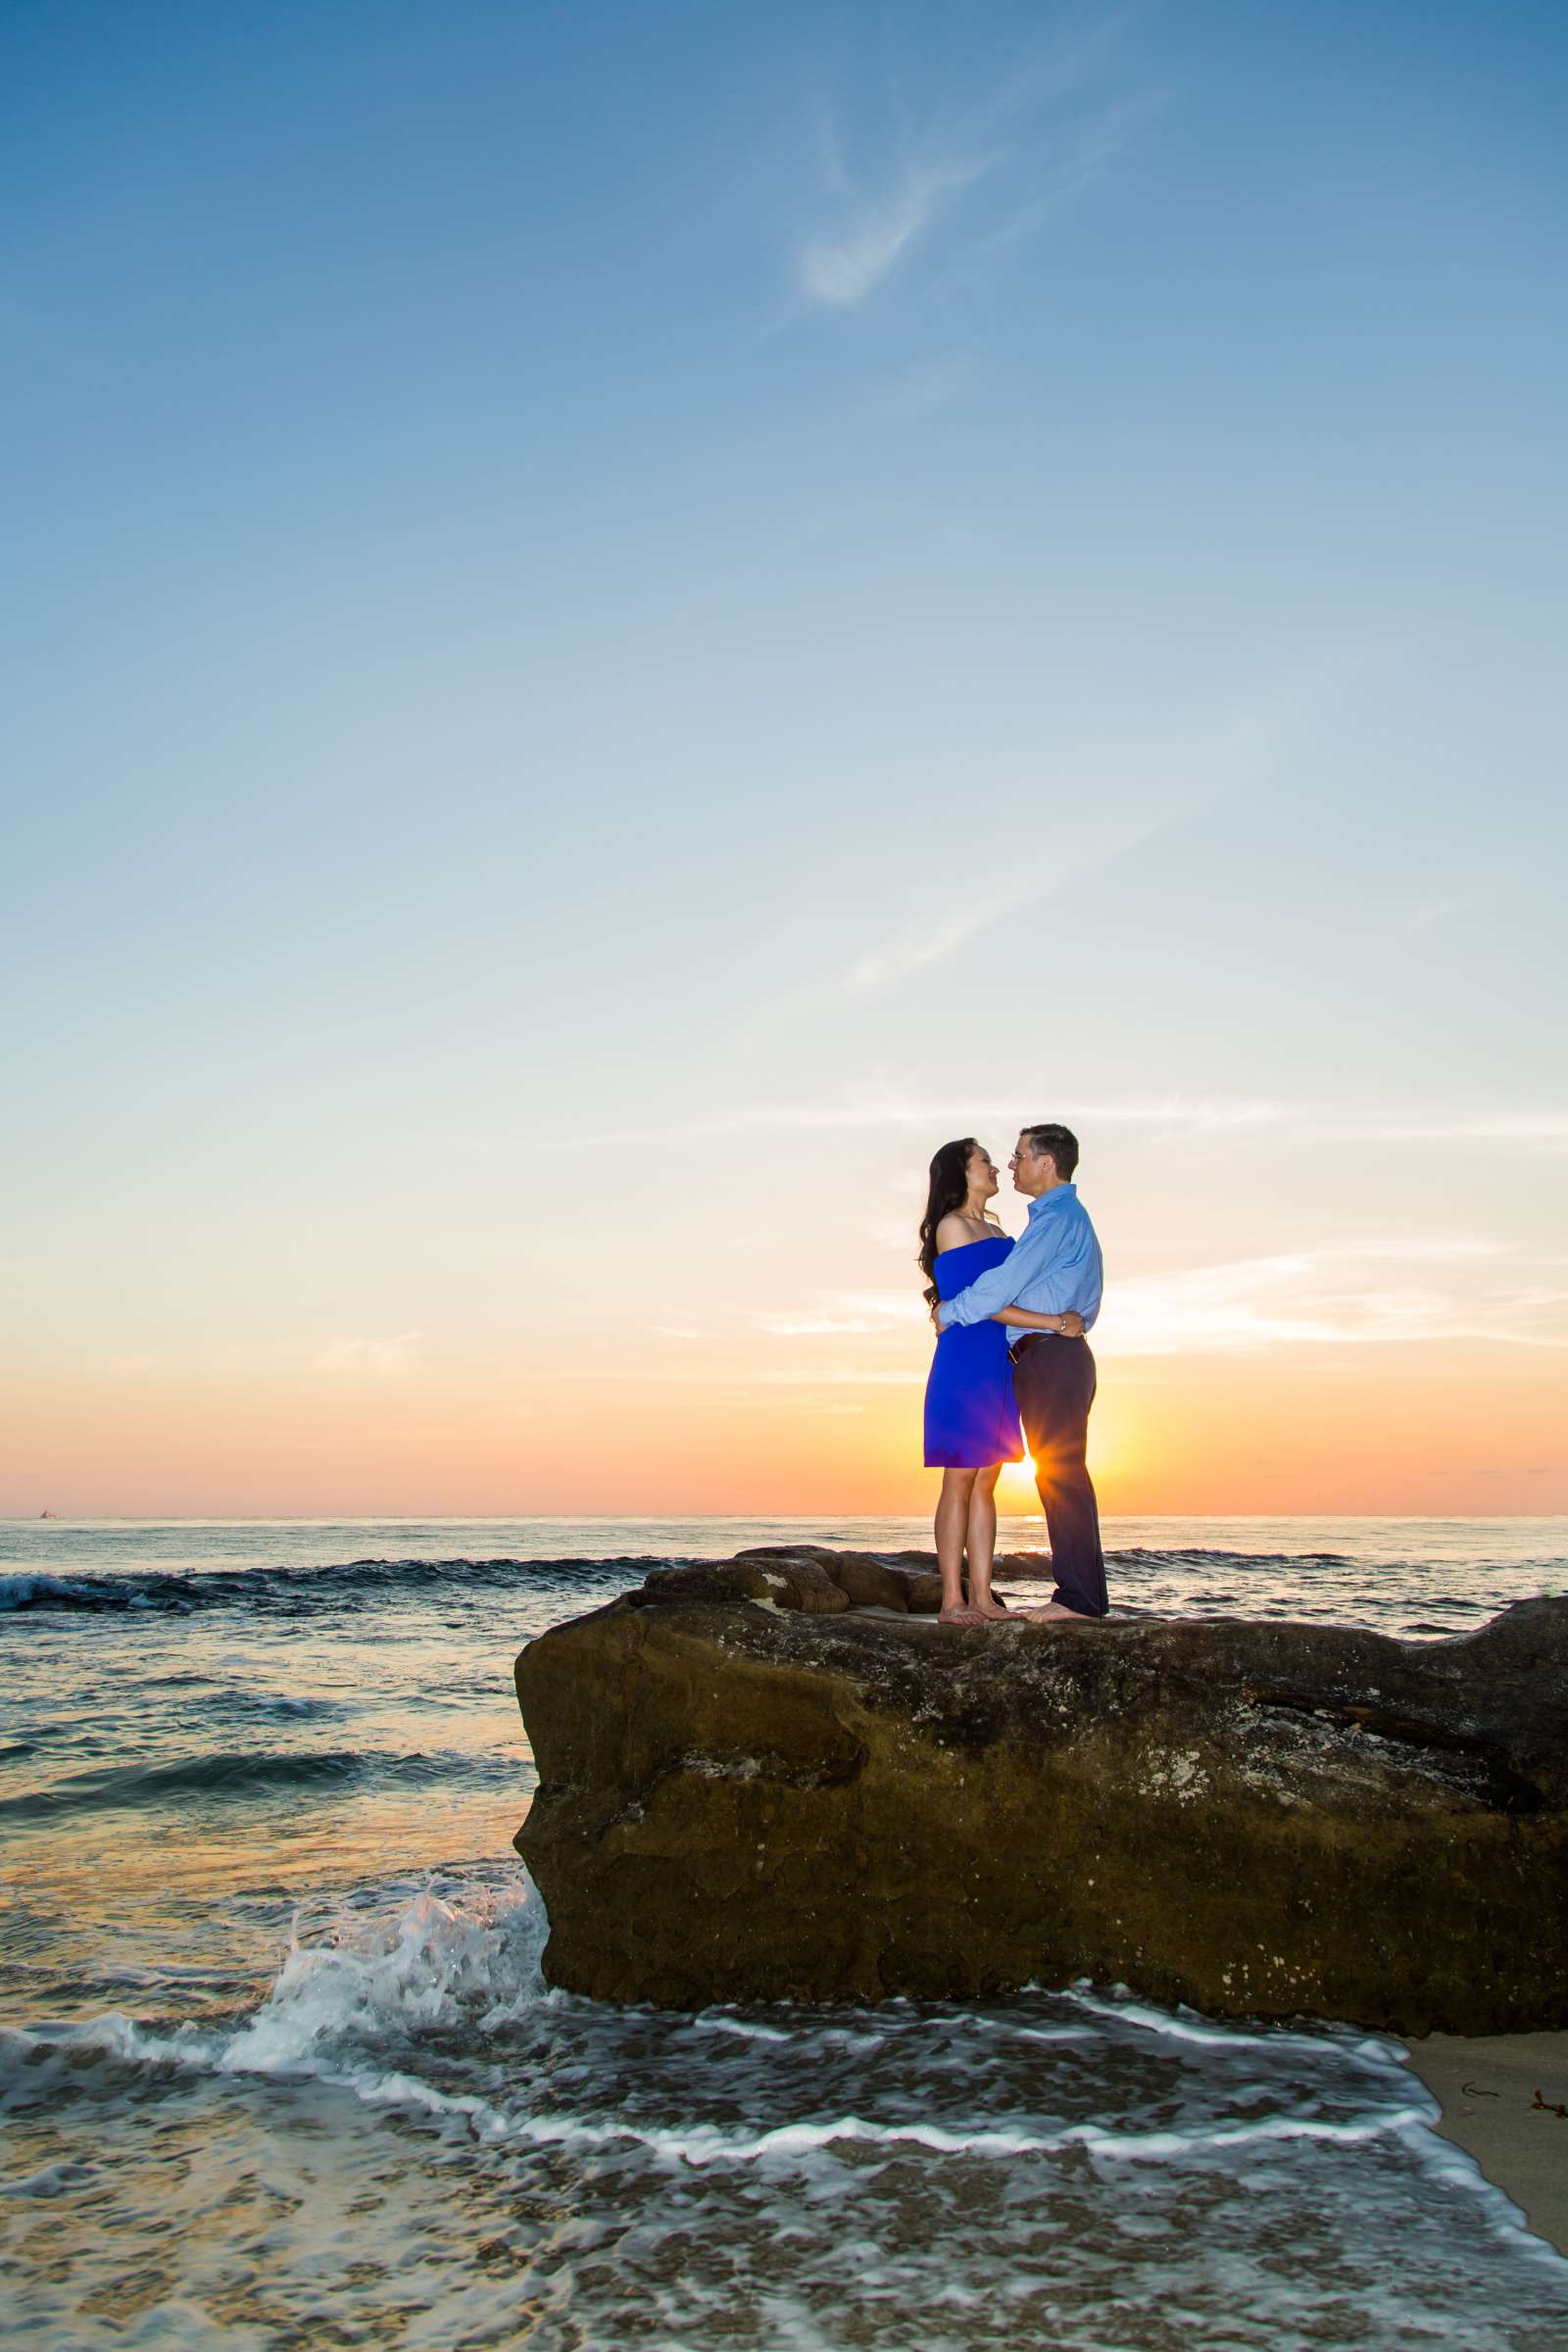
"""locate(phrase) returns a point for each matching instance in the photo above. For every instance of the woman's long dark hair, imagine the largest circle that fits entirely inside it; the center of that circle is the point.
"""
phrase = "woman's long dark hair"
(950, 1189)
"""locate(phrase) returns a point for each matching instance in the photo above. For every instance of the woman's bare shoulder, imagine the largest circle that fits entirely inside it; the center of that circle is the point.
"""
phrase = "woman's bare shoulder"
(955, 1230)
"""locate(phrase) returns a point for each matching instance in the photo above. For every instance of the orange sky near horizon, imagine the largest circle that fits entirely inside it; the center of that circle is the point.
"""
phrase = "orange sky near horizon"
(1375, 1430)
(1393, 1340)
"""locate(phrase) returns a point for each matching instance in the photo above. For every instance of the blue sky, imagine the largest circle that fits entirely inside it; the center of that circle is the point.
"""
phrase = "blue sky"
(620, 619)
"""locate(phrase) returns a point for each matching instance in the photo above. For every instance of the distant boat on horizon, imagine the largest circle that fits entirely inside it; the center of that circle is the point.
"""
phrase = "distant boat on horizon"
(48, 1514)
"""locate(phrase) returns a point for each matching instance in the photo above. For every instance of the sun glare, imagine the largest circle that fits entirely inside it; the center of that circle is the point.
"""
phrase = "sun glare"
(1016, 1485)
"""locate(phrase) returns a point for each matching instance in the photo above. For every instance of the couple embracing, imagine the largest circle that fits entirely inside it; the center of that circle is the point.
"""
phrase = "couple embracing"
(1010, 1320)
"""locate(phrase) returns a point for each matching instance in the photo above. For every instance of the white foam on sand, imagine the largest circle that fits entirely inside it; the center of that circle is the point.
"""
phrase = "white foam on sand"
(1038, 2158)
(1186, 2025)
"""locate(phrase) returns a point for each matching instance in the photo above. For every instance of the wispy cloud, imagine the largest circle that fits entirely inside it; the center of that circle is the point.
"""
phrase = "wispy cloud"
(1172, 1116)
(1549, 1128)
(877, 1109)
(1314, 1297)
(1428, 1250)
(1076, 162)
(815, 1327)
(1366, 1291)
(1444, 908)
(934, 936)
(840, 1314)
(1100, 802)
(1036, 132)
(1458, 900)
(841, 270)
(381, 1358)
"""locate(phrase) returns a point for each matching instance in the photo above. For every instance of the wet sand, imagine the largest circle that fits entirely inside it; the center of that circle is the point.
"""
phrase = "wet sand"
(1487, 2086)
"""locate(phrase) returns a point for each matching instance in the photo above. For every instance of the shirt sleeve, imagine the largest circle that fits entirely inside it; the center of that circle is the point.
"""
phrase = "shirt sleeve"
(998, 1286)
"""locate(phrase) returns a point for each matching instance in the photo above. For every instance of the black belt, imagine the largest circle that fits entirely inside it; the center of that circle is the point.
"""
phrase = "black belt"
(1034, 1339)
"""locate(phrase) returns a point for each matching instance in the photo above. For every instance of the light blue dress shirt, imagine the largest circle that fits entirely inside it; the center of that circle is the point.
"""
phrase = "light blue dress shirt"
(1055, 1264)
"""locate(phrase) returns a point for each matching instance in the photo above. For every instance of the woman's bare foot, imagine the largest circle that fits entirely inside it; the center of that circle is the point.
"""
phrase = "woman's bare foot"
(964, 1615)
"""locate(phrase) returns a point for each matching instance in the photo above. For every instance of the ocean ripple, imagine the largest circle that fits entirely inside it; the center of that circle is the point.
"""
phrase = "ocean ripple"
(247, 1772)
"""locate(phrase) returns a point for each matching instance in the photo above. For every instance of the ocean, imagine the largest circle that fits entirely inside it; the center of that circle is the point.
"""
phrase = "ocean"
(278, 2067)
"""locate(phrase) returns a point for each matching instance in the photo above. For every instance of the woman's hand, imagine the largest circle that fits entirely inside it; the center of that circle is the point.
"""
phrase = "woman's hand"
(1072, 1324)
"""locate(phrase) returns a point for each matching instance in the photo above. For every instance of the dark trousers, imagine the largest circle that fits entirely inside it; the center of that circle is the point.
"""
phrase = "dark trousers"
(1054, 1383)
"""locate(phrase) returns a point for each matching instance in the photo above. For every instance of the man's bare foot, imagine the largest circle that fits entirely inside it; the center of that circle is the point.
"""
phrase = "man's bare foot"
(1050, 1610)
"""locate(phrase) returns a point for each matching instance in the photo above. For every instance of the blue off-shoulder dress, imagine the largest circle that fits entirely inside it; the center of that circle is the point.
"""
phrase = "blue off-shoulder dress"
(971, 1418)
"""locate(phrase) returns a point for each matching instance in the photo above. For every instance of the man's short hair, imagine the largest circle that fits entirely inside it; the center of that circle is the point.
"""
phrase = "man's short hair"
(1060, 1143)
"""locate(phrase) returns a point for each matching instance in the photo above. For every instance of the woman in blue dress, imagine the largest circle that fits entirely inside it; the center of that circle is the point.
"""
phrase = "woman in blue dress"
(971, 1420)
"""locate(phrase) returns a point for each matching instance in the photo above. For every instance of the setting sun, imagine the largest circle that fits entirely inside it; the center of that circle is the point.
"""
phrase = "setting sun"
(1015, 1488)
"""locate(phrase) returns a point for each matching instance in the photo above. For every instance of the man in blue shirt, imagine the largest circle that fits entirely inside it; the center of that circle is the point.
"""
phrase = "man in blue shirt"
(1053, 1269)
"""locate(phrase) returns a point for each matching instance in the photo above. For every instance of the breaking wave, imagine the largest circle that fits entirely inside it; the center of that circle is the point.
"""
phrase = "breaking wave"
(945, 2142)
(282, 1590)
(302, 1592)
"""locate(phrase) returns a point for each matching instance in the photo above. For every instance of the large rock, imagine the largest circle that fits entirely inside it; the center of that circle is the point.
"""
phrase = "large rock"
(751, 1788)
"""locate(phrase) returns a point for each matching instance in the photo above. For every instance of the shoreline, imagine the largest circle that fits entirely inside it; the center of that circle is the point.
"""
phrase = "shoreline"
(1486, 2086)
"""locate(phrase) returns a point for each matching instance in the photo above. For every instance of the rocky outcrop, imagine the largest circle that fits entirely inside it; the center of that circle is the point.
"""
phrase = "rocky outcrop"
(776, 1778)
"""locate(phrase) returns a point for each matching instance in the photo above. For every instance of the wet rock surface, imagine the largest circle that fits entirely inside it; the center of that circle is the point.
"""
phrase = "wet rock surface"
(776, 1777)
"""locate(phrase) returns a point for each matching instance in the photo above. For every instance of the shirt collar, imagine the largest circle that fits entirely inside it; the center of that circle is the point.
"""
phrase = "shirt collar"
(1040, 1205)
